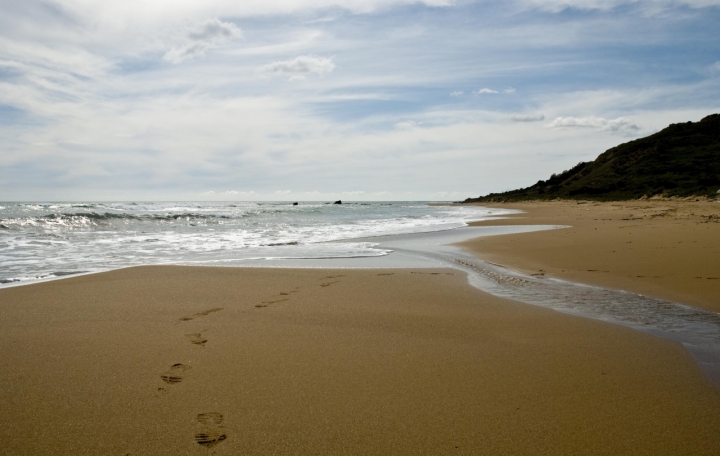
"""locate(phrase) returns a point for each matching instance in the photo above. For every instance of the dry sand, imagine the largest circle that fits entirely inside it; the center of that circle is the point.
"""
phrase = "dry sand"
(151, 360)
(668, 249)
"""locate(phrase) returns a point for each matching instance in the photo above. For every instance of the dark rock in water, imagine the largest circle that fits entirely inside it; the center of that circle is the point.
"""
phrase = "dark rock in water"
(295, 204)
(682, 160)
(338, 202)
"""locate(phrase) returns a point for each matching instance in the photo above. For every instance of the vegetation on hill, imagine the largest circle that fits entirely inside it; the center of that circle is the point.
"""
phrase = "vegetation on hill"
(682, 160)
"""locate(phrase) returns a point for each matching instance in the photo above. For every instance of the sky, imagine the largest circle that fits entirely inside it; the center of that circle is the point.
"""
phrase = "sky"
(307, 100)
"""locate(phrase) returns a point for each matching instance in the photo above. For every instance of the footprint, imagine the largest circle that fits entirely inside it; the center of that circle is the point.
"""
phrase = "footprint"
(197, 339)
(332, 277)
(174, 374)
(266, 303)
(201, 314)
(327, 284)
(211, 430)
(386, 274)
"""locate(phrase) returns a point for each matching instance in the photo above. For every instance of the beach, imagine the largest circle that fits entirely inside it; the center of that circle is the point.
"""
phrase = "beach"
(200, 360)
(663, 248)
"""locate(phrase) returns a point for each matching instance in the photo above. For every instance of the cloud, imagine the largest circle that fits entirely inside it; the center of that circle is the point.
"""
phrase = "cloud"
(300, 66)
(485, 90)
(236, 192)
(456, 93)
(283, 192)
(527, 117)
(406, 125)
(213, 29)
(619, 125)
(651, 6)
(189, 51)
(202, 37)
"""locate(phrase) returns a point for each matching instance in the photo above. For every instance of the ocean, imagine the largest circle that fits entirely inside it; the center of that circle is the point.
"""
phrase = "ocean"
(49, 240)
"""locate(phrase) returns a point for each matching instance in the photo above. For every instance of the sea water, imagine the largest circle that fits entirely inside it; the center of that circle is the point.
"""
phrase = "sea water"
(47, 240)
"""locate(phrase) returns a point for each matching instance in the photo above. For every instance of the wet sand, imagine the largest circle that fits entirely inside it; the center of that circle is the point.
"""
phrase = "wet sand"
(669, 249)
(182, 360)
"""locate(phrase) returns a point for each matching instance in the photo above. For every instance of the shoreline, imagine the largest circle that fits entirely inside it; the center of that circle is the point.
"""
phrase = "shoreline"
(666, 249)
(695, 330)
(308, 361)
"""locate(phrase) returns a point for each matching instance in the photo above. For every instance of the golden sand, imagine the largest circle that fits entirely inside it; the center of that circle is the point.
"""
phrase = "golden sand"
(227, 361)
(663, 248)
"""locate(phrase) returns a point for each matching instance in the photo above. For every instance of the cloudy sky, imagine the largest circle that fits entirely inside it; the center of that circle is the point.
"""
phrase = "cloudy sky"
(327, 99)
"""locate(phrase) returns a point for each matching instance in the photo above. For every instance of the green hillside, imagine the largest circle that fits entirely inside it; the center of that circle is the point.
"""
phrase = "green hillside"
(681, 160)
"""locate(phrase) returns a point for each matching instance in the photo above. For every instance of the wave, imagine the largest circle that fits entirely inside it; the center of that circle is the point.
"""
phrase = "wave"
(95, 218)
(153, 217)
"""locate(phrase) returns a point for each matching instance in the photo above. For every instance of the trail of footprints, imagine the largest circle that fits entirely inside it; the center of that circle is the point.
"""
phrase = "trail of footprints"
(210, 431)
(326, 282)
(285, 295)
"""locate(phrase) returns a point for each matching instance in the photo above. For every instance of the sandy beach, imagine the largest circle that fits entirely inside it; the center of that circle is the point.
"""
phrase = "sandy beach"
(668, 249)
(183, 360)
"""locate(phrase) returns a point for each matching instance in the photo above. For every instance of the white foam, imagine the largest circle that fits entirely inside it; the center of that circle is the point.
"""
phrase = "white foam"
(45, 238)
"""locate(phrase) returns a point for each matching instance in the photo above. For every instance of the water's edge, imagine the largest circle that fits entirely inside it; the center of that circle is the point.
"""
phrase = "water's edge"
(696, 329)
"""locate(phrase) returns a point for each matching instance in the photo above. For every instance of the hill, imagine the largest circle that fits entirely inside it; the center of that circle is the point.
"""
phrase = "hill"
(681, 160)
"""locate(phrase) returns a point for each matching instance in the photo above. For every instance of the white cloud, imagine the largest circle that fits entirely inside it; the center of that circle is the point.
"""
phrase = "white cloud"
(300, 66)
(456, 93)
(619, 125)
(527, 117)
(486, 90)
(406, 125)
(237, 193)
(203, 36)
(283, 192)
(189, 51)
